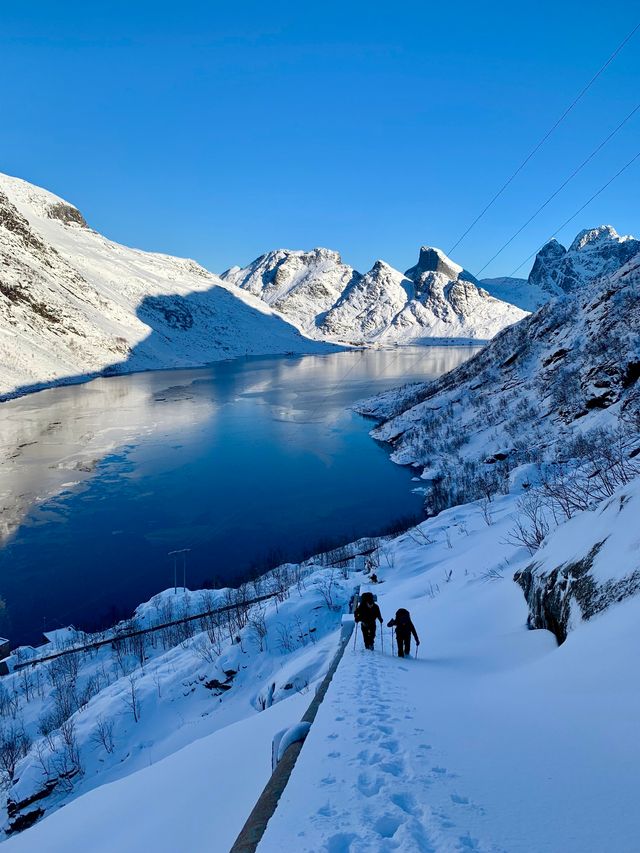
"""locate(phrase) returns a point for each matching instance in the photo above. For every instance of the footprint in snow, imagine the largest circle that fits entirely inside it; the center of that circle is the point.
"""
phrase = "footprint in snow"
(387, 825)
(332, 736)
(391, 746)
(334, 755)
(369, 786)
(328, 780)
(462, 801)
(326, 811)
(394, 768)
(340, 843)
(407, 803)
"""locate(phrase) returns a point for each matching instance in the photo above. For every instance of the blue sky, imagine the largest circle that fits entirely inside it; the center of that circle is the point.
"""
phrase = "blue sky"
(219, 131)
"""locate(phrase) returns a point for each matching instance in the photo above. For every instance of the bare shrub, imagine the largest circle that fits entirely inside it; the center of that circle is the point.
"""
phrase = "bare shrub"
(103, 735)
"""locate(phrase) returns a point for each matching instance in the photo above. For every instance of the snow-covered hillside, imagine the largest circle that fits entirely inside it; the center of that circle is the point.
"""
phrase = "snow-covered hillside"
(327, 299)
(477, 744)
(73, 303)
(569, 369)
(87, 719)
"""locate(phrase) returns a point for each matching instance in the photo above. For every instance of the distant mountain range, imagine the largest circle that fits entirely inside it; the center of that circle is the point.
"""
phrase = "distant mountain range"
(74, 304)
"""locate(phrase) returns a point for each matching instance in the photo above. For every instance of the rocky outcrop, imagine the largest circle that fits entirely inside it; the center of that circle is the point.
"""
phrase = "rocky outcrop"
(584, 567)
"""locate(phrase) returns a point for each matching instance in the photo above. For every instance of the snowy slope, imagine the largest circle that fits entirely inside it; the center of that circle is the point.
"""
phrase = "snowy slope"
(571, 367)
(194, 800)
(477, 744)
(517, 291)
(494, 739)
(74, 303)
(327, 299)
(189, 681)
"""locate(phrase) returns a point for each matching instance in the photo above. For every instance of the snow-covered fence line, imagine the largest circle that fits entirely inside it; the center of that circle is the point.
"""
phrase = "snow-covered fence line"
(117, 638)
(256, 824)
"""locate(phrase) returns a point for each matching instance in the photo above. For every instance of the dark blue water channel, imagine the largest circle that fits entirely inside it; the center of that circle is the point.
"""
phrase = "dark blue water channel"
(243, 462)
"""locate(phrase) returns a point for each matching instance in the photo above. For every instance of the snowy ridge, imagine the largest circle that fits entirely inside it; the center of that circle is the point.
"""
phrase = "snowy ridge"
(329, 300)
(73, 303)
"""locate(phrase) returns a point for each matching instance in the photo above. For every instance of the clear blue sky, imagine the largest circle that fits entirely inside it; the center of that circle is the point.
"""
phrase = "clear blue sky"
(221, 130)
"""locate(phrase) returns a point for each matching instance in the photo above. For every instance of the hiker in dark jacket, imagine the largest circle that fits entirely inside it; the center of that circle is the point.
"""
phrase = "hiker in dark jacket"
(404, 629)
(367, 612)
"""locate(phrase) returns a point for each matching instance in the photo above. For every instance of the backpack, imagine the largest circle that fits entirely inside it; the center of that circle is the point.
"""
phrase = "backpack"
(403, 618)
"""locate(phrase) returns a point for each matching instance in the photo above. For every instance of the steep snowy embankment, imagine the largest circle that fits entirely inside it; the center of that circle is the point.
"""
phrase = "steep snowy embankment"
(73, 303)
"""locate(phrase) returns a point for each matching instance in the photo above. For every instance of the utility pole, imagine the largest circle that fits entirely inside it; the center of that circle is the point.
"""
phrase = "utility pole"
(174, 554)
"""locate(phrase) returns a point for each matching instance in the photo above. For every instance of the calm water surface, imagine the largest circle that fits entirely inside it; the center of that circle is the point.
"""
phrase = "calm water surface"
(240, 462)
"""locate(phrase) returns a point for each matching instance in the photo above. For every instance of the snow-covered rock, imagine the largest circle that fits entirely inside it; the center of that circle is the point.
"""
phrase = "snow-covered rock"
(327, 299)
(73, 303)
(589, 564)
(595, 252)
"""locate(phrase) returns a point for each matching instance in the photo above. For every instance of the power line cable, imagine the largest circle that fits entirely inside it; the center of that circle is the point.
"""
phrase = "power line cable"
(561, 187)
(539, 145)
(579, 210)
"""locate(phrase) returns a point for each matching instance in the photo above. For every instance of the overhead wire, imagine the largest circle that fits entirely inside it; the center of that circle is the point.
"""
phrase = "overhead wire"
(579, 210)
(556, 192)
(546, 136)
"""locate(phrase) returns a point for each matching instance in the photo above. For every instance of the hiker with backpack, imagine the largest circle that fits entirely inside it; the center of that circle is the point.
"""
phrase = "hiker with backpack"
(367, 613)
(404, 629)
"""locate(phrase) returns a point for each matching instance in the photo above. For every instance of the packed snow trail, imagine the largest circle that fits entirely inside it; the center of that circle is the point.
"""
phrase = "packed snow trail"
(376, 768)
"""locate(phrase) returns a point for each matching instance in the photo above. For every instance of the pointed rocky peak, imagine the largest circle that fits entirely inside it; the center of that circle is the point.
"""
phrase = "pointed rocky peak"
(593, 237)
(551, 249)
(432, 259)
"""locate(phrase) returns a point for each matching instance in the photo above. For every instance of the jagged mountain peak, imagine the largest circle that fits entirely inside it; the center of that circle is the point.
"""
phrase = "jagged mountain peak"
(594, 237)
(595, 252)
(432, 259)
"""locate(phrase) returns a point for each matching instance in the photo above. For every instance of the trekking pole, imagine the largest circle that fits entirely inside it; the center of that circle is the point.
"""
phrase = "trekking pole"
(355, 635)
(382, 637)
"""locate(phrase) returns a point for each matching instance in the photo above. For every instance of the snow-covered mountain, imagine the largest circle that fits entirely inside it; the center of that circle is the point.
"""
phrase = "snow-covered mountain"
(594, 252)
(330, 300)
(73, 303)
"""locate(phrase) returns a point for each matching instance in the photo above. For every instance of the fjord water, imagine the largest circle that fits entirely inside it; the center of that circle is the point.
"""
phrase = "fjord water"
(242, 462)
